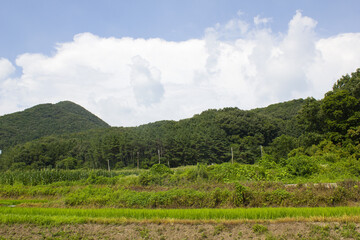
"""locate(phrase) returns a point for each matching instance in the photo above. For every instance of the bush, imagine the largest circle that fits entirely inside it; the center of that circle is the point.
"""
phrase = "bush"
(157, 174)
(242, 195)
(303, 166)
(160, 169)
(277, 197)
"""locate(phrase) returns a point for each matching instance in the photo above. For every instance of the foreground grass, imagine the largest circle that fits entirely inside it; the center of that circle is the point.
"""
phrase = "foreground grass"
(70, 216)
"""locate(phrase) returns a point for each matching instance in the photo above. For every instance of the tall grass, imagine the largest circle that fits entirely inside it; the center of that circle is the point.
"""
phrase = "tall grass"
(59, 215)
(48, 176)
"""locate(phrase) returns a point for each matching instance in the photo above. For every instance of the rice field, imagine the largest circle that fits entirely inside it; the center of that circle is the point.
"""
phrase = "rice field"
(9, 215)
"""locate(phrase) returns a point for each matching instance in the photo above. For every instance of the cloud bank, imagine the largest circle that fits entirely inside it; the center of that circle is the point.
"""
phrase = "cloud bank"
(128, 81)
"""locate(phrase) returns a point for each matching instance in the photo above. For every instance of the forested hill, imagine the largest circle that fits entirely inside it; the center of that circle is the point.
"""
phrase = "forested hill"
(46, 119)
(206, 137)
(296, 133)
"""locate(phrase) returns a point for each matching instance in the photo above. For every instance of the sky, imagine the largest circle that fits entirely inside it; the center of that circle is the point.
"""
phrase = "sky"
(135, 62)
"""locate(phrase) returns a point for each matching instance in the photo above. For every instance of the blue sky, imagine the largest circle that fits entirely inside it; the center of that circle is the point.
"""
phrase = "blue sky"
(133, 62)
(37, 25)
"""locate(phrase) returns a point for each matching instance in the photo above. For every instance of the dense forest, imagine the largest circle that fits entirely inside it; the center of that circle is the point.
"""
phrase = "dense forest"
(46, 119)
(297, 133)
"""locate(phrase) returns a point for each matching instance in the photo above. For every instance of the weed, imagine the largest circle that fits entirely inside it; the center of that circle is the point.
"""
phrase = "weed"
(270, 237)
(259, 229)
(144, 233)
(201, 230)
(203, 235)
(349, 231)
(321, 231)
(218, 229)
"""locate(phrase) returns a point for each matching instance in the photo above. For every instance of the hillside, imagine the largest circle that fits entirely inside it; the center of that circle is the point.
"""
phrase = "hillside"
(46, 119)
(206, 137)
(288, 133)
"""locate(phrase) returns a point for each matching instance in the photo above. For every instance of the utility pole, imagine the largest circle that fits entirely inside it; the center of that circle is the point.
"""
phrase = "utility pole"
(261, 150)
(108, 161)
(232, 156)
(159, 155)
(138, 163)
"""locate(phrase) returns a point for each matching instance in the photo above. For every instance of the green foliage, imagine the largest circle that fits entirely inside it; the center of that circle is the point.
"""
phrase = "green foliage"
(206, 138)
(157, 174)
(132, 199)
(310, 117)
(349, 83)
(120, 189)
(350, 231)
(242, 195)
(53, 216)
(45, 119)
(281, 146)
(302, 166)
(341, 111)
(67, 163)
(268, 162)
(259, 229)
(277, 197)
(160, 169)
(290, 141)
(34, 177)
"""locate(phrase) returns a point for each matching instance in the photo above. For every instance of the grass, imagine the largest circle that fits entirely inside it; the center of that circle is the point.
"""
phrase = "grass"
(48, 176)
(8, 202)
(66, 216)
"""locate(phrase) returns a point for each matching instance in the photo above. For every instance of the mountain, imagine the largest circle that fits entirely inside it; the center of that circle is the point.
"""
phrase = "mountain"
(46, 119)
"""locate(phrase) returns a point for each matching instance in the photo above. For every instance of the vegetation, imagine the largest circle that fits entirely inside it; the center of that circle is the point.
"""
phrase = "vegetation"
(44, 120)
(300, 158)
(306, 137)
(61, 215)
(215, 186)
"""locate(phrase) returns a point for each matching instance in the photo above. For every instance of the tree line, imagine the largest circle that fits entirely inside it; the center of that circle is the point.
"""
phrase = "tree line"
(214, 136)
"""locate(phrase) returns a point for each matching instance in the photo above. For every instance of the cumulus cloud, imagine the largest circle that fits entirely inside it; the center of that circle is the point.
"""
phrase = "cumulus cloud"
(6, 68)
(129, 81)
(145, 82)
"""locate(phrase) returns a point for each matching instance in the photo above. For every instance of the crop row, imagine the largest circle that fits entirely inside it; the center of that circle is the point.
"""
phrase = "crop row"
(61, 215)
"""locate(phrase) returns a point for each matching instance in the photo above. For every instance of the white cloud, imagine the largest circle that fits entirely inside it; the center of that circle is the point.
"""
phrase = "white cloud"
(6, 68)
(145, 82)
(258, 20)
(130, 81)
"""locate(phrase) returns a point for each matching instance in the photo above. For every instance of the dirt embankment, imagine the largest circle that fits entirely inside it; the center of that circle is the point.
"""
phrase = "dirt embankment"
(247, 230)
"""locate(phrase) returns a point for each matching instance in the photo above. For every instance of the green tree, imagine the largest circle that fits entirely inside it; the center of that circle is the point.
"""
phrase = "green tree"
(310, 117)
(341, 111)
(281, 146)
(349, 83)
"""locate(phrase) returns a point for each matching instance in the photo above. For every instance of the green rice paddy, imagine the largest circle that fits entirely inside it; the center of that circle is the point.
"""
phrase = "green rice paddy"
(67, 216)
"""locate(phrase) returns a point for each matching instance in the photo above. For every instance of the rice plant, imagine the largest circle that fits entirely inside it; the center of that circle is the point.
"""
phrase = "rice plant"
(61, 215)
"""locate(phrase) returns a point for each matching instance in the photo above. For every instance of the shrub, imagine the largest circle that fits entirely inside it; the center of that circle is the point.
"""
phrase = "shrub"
(242, 195)
(267, 162)
(160, 169)
(277, 196)
(302, 166)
